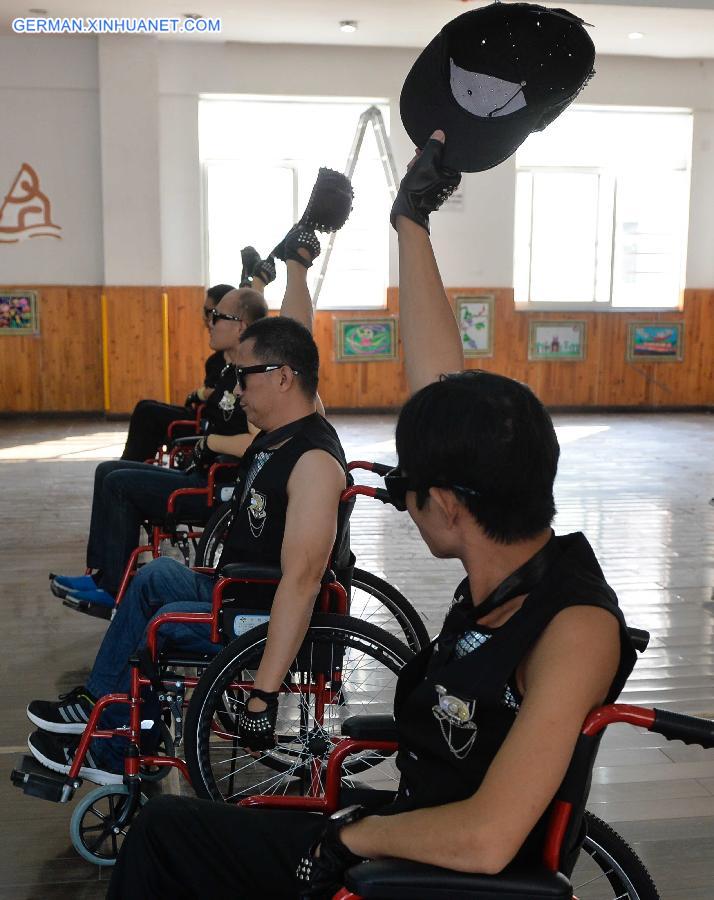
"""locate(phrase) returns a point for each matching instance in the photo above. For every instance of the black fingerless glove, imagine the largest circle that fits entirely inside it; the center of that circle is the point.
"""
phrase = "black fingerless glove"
(256, 730)
(193, 399)
(203, 457)
(298, 237)
(265, 269)
(322, 876)
(425, 186)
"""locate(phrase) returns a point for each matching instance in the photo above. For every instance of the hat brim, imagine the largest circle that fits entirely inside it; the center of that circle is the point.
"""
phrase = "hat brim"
(473, 144)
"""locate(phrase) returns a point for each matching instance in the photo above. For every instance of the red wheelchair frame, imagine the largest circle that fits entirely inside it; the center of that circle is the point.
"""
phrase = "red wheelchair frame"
(377, 876)
(332, 598)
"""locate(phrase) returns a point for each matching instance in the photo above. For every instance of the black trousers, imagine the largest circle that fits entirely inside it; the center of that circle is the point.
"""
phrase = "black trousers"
(187, 849)
(148, 425)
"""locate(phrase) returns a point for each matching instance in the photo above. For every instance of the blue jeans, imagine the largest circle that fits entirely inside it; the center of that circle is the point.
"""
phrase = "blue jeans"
(125, 494)
(162, 586)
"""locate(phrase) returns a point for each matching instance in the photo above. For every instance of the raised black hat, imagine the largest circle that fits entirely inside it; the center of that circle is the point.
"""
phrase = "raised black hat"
(491, 77)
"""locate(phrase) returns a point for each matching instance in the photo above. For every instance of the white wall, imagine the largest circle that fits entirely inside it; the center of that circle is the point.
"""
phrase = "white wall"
(49, 118)
(143, 154)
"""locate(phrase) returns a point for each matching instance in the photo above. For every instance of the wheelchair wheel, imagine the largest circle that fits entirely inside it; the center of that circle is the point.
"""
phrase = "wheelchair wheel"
(372, 599)
(345, 667)
(210, 543)
(92, 825)
(608, 868)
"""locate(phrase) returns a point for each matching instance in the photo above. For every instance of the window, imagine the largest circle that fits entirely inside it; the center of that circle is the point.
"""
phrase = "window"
(260, 157)
(602, 205)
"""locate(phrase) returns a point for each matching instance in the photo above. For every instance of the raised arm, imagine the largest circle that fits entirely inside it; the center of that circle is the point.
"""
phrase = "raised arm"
(430, 335)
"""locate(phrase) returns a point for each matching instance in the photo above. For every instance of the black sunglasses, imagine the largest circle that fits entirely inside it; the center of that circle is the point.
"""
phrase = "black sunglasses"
(242, 371)
(397, 485)
(213, 316)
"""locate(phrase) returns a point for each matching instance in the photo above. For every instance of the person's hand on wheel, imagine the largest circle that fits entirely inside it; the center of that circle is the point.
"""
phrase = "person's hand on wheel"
(256, 729)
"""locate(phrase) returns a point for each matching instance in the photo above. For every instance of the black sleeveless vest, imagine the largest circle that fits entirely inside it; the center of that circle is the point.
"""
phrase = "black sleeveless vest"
(457, 699)
(260, 500)
(222, 411)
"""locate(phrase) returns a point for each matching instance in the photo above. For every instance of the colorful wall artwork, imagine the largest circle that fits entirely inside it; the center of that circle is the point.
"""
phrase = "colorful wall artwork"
(561, 341)
(19, 313)
(655, 341)
(475, 317)
(366, 340)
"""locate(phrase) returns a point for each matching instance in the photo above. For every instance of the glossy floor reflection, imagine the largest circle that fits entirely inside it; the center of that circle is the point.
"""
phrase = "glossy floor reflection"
(639, 486)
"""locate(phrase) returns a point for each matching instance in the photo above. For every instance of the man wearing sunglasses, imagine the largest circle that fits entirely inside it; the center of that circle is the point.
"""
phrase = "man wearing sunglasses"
(128, 493)
(285, 515)
(150, 419)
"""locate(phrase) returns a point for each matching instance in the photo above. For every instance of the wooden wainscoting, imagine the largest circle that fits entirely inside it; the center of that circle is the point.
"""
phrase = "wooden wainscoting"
(61, 368)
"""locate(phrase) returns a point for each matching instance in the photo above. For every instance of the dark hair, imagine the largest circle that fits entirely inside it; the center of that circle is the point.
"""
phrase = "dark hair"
(252, 305)
(218, 292)
(489, 433)
(280, 339)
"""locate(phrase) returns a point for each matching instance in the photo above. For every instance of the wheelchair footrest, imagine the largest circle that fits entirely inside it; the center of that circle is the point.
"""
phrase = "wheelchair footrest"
(89, 609)
(37, 781)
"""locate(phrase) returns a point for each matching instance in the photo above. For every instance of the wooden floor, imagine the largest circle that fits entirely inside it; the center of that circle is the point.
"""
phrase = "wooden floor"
(638, 486)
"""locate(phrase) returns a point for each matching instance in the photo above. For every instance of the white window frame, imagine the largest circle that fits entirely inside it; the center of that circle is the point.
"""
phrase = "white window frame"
(288, 163)
(598, 305)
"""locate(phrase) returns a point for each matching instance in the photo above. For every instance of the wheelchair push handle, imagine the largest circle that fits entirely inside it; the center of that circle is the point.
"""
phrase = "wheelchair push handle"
(688, 729)
(380, 469)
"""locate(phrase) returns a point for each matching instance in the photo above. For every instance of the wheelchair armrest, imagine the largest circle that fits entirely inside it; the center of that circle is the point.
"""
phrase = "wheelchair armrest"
(370, 728)
(186, 441)
(250, 571)
(398, 878)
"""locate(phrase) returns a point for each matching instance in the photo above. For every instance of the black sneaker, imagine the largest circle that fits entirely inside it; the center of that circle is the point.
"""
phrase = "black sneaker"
(57, 752)
(68, 715)
(250, 258)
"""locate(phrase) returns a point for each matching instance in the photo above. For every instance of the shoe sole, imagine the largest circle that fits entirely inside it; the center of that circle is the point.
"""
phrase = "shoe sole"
(89, 609)
(96, 776)
(56, 727)
(58, 590)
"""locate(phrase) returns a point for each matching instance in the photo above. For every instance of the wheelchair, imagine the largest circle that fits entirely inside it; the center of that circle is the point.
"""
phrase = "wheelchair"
(372, 599)
(582, 857)
(344, 667)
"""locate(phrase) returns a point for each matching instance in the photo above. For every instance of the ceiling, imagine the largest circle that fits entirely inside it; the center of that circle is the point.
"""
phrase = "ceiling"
(671, 28)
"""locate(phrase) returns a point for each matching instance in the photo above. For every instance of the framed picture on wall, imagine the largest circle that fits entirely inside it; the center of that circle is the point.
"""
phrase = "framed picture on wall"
(475, 315)
(366, 340)
(655, 341)
(562, 341)
(19, 313)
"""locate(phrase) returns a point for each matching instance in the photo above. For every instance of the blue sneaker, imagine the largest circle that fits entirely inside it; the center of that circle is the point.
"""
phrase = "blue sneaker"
(61, 585)
(95, 597)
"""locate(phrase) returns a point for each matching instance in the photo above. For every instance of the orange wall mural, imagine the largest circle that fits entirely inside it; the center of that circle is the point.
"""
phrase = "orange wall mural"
(26, 211)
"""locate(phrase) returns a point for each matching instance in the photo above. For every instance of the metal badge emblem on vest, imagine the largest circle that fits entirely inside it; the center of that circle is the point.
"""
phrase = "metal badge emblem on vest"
(257, 512)
(452, 712)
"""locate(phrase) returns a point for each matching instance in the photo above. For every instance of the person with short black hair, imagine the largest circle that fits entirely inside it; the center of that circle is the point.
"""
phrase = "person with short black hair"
(150, 419)
(285, 507)
(128, 493)
(489, 713)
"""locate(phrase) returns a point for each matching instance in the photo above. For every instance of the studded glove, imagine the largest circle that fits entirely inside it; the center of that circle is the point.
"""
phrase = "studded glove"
(203, 457)
(265, 269)
(321, 877)
(425, 186)
(298, 237)
(256, 730)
